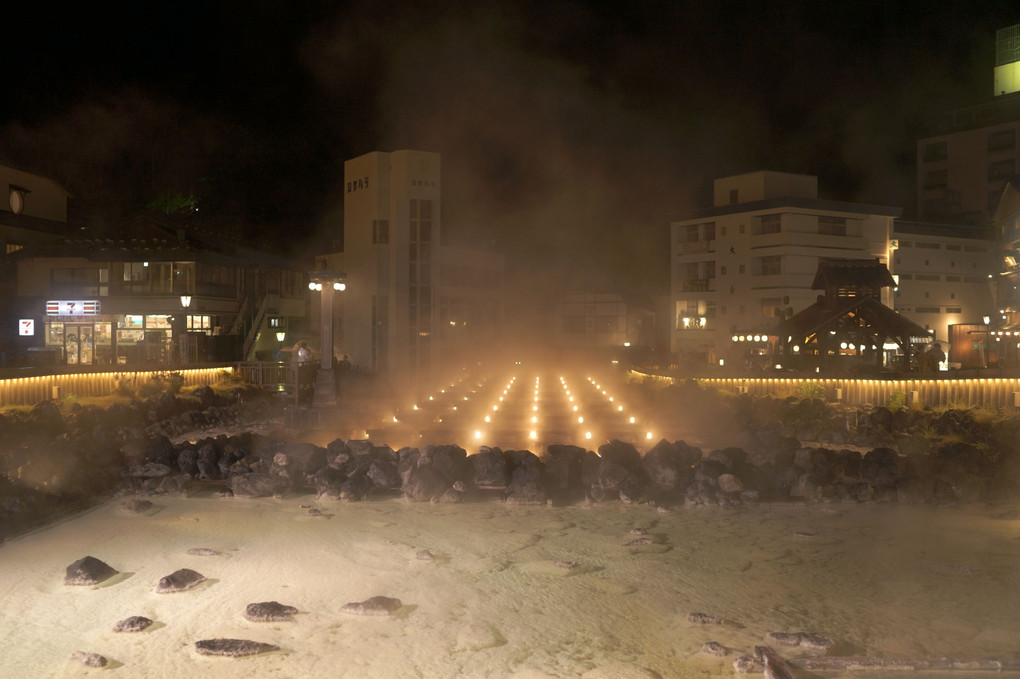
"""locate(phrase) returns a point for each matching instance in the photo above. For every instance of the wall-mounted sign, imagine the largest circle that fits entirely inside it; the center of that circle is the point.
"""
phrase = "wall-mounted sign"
(73, 307)
(26, 327)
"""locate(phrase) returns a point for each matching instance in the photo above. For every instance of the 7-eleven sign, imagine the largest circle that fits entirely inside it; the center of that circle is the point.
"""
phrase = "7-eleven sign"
(26, 327)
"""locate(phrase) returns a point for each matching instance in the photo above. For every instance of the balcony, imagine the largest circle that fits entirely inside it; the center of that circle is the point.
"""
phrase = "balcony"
(698, 285)
(697, 247)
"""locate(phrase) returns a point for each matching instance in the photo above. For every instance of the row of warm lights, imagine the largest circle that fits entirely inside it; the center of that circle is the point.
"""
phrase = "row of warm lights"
(415, 407)
(619, 408)
(750, 338)
(573, 408)
(495, 406)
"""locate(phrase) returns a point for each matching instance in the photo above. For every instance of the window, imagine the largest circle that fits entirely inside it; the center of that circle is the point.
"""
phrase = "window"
(832, 226)
(929, 246)
(742, 268)
(1000, 169)
(770, 223)
(380, 231)
(1001, 140)
(734, 196)
(768, 266)
(722, 270)
(13, 246)
(936, 179)
(936, 150)
(926, 277)
(954, 310)
(771, 307)
(79, 282)
(950, 246)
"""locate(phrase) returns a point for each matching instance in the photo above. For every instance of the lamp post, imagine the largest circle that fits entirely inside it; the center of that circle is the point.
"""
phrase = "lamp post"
(327, 283)
(182, 332)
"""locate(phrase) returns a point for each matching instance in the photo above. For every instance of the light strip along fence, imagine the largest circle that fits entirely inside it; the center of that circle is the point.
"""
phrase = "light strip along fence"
(993, 393)
(22, 391)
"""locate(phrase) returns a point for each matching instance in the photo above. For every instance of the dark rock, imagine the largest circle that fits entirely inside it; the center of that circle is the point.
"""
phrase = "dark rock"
(729, 458)
(179, 581)
(489, 468)
(88, 571)
(135, 506)
(89, 659)
(806, 487)
(526, 485)
(448, 460)
(187, 461)
(159, 450)
(269, 611)
(826, 466)
(377, 605)
(422, 484)
(622, 454)
(306, 458)
(136, 623)
(234, 648)
(669, 466)
(563, 467)
(424, 555)
(881, 467)
(383, 474)
(355, 488)
(911, 491)
(852, 460)
(150, 470)
(258, 484)
(728, 483)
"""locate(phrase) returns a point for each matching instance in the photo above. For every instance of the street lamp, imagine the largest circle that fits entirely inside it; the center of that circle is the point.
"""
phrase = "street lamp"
(326, 282)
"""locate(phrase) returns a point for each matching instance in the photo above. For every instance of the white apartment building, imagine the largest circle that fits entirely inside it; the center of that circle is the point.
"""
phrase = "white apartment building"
(412, 303)
(945, 274)
(744, 264)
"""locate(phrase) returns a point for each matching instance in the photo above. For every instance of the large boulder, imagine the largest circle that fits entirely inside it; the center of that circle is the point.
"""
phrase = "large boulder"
(489, 468)
(881, 467)
(258, 484)
(525, 485)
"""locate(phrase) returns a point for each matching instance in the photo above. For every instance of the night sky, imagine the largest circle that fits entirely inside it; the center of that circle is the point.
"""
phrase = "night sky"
(571, 131)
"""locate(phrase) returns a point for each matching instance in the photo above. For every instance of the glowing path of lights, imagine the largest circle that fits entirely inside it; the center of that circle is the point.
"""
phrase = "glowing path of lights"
(516, 411)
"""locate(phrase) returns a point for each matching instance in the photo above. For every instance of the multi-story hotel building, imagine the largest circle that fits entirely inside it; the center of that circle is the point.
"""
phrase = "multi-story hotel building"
(412, 303)
(744, 264)
(945, 274)
(962, 170)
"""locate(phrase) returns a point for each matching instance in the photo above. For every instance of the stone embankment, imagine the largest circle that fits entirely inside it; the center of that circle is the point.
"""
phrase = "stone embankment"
(792, 449)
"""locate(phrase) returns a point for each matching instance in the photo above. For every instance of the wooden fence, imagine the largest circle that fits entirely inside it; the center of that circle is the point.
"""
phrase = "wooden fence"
(24, 391)
(995, 393)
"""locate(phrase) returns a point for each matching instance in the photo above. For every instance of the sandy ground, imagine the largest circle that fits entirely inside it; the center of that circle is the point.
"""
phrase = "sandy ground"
(884, 580)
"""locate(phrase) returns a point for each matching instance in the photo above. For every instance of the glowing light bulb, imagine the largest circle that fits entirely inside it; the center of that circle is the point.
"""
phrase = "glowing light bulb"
(587, 434)
(648, 435)
(488, 419)
(619, 409)
(478, 434)
(632, 420)
(580, 420)
(533, 435)
(534, 419)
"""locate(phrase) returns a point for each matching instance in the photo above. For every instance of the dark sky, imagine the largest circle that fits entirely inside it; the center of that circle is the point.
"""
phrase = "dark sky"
(566, 128)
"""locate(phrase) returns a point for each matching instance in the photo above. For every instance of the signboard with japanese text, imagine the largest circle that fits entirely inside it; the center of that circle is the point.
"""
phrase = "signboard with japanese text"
(26, 327)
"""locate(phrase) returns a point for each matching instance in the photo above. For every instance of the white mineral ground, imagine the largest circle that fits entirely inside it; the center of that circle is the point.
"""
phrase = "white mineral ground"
(883, 580)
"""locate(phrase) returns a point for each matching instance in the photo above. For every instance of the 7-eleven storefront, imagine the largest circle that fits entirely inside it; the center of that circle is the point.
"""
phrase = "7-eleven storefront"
(81, 335)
